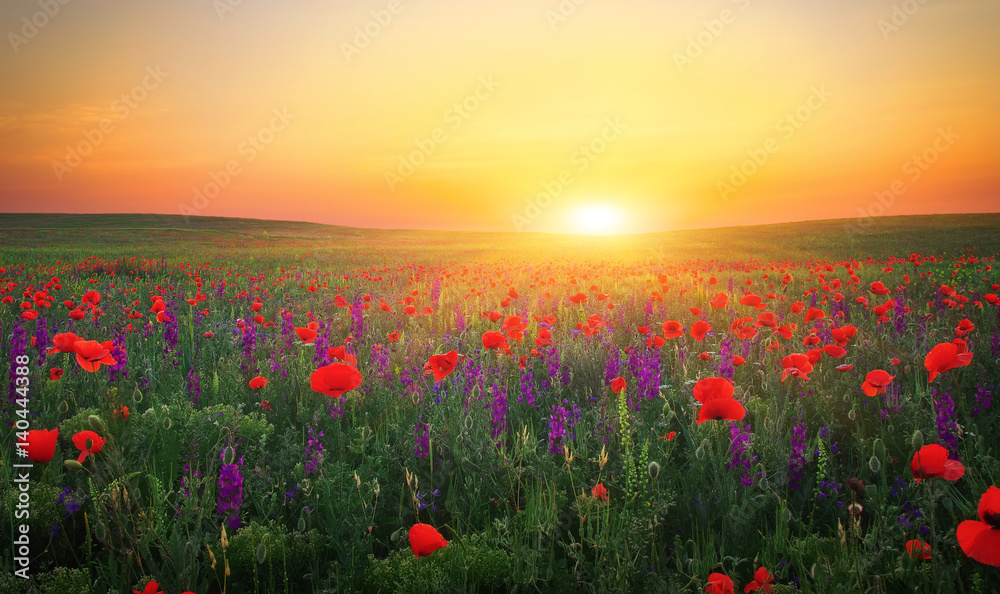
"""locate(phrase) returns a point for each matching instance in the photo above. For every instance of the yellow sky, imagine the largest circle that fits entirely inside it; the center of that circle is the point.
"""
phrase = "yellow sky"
(461, 114)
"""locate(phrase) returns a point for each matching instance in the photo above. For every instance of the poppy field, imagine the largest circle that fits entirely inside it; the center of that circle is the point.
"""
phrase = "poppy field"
(237, 406)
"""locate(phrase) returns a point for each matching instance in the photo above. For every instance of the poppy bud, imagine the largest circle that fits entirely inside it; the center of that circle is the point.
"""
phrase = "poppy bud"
(653, 469)
(878, 448)
(72, 465)
(918, 440)
(261, 554)
(302, 524)
(874, 464)
(700, 452)
(228, 458)
(852, 414)
(97, 425)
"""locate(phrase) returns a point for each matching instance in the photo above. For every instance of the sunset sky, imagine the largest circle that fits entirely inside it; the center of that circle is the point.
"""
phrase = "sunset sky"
(636, 115)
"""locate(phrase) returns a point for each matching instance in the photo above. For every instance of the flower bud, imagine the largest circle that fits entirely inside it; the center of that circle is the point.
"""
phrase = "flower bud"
(918, 440)
(653, 469)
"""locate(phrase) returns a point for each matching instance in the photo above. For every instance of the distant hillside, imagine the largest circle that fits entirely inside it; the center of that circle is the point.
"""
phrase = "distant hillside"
(76, 236)
(151, 221)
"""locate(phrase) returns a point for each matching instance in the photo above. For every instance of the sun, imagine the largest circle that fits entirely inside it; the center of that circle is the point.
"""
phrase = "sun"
(597, 219)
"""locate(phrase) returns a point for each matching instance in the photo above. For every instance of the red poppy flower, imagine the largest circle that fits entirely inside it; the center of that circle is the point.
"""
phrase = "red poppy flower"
(55, 373)
(766, 320)
(695, 311)
(699, 329)
(306, 335)
(844, 367)
(393, 336)
(544, 337)
(209, 334)
(981, 540)
(844, 334)
(705, 356)
(618, 385)
(494, 340)
(121, 412)
(761, 581)
(947, 356)
(876, 382)
(752, 300)
(932, 460)
(81, 439)
(918, 549)
(337, 353)
(672, 329)
(600, 492)
(711, 388)
(721, 409)
(335, 379)
(814, 314)
(719, 584)
(91, 354)
(425, 539)
(719, 301)
(738, 360)
(655, 342)
(579, 298)
(835, 350)
(64, 343)
(878, 288)
(40, 444)
(670, 436)
(258, 382)
(796, 365)
(151, 588)
(442, 365)
(964, 327)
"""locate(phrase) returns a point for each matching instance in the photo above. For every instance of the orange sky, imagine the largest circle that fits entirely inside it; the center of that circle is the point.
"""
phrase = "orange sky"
(460, 115)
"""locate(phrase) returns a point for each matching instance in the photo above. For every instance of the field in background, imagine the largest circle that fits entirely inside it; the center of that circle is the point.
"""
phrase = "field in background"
(540, 475)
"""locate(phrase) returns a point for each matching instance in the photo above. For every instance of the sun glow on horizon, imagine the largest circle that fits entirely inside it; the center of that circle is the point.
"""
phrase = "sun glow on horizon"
(597, 219)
